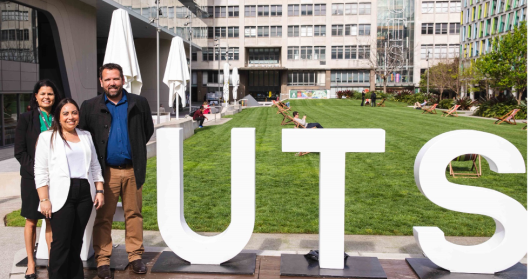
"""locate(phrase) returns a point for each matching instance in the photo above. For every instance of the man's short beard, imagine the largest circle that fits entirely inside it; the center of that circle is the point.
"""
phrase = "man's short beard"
(110, 95)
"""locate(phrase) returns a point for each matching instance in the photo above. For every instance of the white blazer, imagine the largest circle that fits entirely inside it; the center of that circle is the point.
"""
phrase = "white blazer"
(51, 166)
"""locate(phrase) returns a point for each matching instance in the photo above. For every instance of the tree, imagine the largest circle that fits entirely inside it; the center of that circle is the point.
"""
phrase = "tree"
(387, 58)
(505, 65)
(444, 75)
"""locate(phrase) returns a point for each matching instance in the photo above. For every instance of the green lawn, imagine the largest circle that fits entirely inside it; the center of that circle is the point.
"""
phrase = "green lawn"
(381, 195)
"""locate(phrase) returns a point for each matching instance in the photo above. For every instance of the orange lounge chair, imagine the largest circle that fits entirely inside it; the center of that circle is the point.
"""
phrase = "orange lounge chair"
(508, 118)
(524, 128)
(468, 157)
(451, 111)
(287, 119)
(431, 109)
(382, 104)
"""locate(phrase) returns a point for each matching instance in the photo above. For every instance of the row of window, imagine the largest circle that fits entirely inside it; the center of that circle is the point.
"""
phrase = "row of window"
(307, 78)
(15, 35)
(208, 53)
(439, 51)
(15, 15)
(350, 52)
(351, 76)
(306, 53)
(292, 31)
(492, 26)
(440, 7)
(440, 28)
(489, 8)
(292, 10)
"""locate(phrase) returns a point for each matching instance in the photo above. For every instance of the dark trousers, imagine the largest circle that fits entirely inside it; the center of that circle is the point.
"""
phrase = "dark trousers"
(362, 103)
(200, 119)
(373, 102)
(311, 125)
(68, 227)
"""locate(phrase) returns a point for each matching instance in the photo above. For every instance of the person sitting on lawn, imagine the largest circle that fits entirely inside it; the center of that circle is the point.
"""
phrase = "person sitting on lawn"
(303, 123)
(417, 105)
(198, 115)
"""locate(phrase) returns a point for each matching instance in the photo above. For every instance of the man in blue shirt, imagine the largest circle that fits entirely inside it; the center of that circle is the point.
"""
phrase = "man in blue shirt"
(121, 125)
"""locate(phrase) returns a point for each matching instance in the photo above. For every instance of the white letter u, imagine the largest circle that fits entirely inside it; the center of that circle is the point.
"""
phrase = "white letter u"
(184, 242)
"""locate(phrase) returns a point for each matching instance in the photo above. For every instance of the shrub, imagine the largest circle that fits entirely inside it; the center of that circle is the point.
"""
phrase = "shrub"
(499, 106)
(446, 103)
(465, 103)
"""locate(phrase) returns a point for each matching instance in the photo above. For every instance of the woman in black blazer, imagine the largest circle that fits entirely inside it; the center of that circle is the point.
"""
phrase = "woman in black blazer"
(30, 124)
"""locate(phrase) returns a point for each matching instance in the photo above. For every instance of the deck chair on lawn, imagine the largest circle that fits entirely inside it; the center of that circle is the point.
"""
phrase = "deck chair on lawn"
(287, 119)
(278, 106)
(508, 118)
(524, 128)
(300, 126)
(468, 157)
(284, 106)
(431, 109)
(451, 111)
(382, 104)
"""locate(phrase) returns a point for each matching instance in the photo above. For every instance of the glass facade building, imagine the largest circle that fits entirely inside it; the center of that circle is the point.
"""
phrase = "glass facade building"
(18, 64)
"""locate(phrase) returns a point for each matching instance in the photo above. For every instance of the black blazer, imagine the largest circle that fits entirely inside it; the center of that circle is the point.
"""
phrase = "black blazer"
(26, 135)
(95, 118)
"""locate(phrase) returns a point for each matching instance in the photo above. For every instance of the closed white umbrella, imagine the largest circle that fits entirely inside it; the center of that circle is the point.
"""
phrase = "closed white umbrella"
(235, 83)
(226, 75)
(120, 50)
(177, 72)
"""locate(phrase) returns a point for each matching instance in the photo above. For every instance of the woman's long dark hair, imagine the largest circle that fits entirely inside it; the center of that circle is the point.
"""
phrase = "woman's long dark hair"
(56, 125)
(45, 82)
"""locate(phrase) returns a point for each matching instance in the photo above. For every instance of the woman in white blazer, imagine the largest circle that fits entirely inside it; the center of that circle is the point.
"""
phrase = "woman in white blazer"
(69, 182)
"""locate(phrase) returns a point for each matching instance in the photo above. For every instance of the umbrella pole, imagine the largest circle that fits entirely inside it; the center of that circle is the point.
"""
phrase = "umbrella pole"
(158, 64)
(191, 37)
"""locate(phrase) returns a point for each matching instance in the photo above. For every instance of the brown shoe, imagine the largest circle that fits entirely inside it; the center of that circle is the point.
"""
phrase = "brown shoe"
(138, 266)
(104, 272)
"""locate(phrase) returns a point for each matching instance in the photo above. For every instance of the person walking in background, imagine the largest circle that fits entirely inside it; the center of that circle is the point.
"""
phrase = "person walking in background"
(373, 97)
(363, 96)
(121, 125)
(303, 122)
(38, 119)
(206, 108)
(199, 116)
(69, 182)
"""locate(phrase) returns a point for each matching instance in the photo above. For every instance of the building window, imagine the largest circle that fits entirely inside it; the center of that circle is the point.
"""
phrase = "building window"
(427, 28)
(276, 10)
(250, 31)
(320, 53)
(337, 9)
(454, 28)
(307, 9)
(233, 11)
(306, 31)
(293, 53)
(293, 10)
(337, 52)
(426, 49)
(234, 53)
(233, 31)
(363, 52)
(364, 29)
(441, 28)
(427, 7)
(306, 52)
(365, 8)
(350, 8)
(350, 30)
(320, 30)
(307, 78)
(210, 33)
(263, 10)
(221, 51)
(276, 31)
(453, 51)
(293, 31)
(264, 55)
(263, 31)
(320, 9)
(351, 76)
(336, 30)
(455, 7)
(350, 52)
(442, 7)
(207, 54)
(15, 15)
(220, 11)
(250, 11)
(194, 56)
(209, 12)
(220, 32)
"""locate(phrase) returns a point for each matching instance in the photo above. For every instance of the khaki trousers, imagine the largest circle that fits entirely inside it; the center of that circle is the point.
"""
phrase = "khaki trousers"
(119, 182)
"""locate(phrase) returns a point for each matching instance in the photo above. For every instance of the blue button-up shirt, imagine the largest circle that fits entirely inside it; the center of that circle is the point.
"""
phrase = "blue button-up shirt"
(118, 146)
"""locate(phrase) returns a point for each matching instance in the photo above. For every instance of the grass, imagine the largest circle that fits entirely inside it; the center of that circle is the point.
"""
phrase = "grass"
(381, 195)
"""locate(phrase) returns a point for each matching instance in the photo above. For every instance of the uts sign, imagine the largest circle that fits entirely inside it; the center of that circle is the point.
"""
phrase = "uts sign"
(503, 250)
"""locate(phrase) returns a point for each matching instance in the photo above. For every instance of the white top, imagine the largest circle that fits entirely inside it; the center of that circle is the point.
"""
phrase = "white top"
(75, 155)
